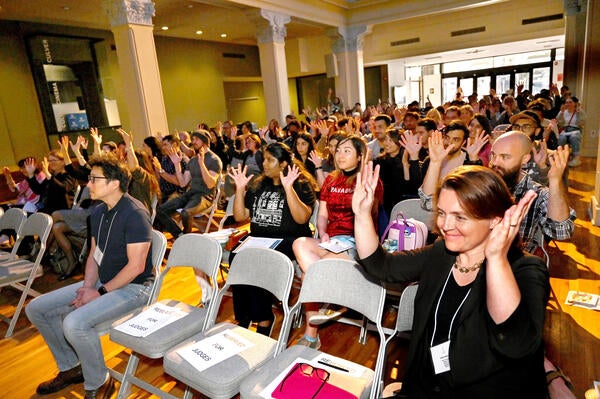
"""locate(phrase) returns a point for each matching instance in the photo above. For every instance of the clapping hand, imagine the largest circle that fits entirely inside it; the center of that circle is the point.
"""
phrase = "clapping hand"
(540, 155)
(558, 162)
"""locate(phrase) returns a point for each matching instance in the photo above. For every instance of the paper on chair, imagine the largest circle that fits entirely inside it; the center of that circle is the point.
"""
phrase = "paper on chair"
(258, 242)
(150, 320)
(583, 300)
(214, 349)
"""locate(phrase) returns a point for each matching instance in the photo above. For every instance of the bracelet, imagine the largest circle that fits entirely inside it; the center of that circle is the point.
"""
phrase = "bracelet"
(102, 290)
(319, 168)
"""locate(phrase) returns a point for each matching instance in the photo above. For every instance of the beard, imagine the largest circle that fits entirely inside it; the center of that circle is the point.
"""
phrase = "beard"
(510, 177)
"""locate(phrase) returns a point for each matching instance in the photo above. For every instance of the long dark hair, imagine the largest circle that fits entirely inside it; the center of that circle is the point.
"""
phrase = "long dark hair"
(283, 153)
(154, 145)
(361, 149)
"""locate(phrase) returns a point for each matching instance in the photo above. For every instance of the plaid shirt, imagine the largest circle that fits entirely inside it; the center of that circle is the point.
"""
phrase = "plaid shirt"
(536, 224)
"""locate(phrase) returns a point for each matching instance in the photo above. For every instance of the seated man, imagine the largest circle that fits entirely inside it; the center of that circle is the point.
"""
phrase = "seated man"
(118, 279)
(202, 174)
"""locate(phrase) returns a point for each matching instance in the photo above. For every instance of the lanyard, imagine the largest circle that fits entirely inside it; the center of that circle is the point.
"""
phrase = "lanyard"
(109, 228)
(438, 306)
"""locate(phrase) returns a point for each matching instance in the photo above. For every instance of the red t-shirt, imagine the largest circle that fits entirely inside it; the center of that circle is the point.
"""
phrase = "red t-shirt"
(337, 194)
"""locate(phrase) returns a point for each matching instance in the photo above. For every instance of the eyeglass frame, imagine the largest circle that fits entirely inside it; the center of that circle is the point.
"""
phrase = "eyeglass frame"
(313, 370)
(92, 179)
(522, 128)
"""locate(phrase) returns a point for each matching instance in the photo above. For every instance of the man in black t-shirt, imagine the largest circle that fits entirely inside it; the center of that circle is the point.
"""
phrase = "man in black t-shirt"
(118, 279)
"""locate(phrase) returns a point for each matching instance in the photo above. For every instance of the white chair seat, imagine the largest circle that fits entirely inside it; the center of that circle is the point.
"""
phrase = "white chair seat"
(222, 381)
(156, 344)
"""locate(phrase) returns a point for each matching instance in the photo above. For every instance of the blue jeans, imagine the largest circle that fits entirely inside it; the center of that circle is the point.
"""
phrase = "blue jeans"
(69, 332)
(573, 138)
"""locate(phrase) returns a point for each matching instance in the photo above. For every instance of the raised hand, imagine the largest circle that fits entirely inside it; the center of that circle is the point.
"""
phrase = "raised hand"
(30, 166)
(316, 159)
(505, 231)
(262, 131)
(81, 142)
(239, 176)
(412, 143)
(95, 135)
(6, 172)
(558, 162)
(156, 163)
(63, 143)
(288, 180)
(174, 156)
(540, 155)
(364, 191)
(127, 137)
(437, 152)
(476, 144)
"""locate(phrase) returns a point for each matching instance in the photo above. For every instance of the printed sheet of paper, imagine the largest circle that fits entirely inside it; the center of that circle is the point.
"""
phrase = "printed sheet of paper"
(258, 242)
(150, 320)
(335, 246)
(583, 300)
(214, 349)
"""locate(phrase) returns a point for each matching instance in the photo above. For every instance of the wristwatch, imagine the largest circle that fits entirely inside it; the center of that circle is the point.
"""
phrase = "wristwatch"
(102, 290)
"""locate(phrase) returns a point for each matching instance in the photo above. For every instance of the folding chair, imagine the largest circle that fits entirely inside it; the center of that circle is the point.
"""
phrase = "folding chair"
(199, 252)
(411, 208)
(228, 212)
(210, 211)
(258, 267)
(340, 282)
(158, 248)
(12, 219)
(14, 271)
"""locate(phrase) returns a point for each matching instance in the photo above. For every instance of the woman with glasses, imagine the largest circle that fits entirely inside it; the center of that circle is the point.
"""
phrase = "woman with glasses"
(480, 305)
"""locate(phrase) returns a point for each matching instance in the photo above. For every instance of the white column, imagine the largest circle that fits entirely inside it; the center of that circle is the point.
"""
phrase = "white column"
(270, 34)
(347, 45)
(131, 24)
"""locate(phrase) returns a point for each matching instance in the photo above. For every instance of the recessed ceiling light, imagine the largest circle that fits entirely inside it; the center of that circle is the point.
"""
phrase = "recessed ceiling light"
(190, 6)
(223, 34)
(199, 32)
(66, 8)
(165, 28)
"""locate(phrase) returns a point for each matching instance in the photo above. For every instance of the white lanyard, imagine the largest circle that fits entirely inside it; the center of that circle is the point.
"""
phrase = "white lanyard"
(438, 306)
(109, 228)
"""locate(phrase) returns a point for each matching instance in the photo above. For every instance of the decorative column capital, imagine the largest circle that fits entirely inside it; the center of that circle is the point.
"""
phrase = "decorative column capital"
(123, 12)
(270, 26)
(348, 38)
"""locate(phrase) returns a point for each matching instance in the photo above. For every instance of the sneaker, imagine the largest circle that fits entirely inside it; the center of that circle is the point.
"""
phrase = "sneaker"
(575, 162)
(304, 341)
(326, 314)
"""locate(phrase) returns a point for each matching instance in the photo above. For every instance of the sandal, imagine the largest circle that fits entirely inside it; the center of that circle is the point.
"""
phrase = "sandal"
(551, 375)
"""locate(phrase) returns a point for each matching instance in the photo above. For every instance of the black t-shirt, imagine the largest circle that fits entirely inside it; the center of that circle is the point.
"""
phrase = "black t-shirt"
(128, 222)
(270, 214)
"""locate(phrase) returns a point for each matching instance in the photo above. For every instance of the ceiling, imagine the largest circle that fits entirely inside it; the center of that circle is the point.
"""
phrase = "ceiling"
(214, 18)
(184, 18)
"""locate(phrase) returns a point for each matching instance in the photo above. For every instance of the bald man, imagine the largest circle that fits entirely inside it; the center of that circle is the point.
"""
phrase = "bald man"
(550, 213)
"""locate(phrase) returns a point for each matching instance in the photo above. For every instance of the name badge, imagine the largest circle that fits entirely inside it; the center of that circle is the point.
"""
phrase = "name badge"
(440, 354)
(98, 255)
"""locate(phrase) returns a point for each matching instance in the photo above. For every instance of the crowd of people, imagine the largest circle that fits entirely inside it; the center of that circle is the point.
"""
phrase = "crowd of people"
(492, 171)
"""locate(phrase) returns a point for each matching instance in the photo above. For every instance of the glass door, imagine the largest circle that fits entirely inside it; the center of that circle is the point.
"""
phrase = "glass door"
(502, 84)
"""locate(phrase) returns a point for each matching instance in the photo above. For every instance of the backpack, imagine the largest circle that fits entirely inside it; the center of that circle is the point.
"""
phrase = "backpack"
(404, 234)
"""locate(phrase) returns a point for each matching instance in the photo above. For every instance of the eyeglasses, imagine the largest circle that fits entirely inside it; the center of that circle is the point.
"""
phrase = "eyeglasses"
(308, 371)
(53, 160)
(523, 128)
(92, 179)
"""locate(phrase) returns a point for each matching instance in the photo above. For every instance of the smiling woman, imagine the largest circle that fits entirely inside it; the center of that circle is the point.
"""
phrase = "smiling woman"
(469, 308)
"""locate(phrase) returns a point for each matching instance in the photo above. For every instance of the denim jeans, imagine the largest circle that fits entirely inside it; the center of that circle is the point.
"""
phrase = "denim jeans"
(69, 332)
(573, 138)
(191, 203)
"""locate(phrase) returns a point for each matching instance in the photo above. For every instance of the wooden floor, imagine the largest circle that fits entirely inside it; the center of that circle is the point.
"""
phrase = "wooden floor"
(572, 334)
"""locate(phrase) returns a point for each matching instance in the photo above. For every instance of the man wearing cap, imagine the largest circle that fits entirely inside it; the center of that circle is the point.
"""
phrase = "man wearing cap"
(202, 175)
